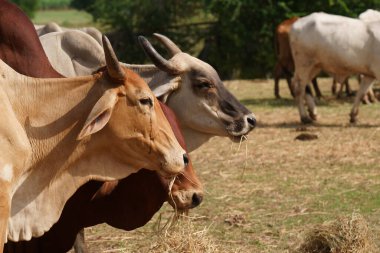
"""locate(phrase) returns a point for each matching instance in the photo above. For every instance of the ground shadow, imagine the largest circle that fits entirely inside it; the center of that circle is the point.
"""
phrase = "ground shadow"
(288, 102)
(298, 125)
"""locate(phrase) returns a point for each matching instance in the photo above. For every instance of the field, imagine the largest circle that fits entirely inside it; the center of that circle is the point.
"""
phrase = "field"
(67, 18)
(263, 195)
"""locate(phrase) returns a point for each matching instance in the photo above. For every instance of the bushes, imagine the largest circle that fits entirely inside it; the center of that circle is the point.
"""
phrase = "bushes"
(54, 4)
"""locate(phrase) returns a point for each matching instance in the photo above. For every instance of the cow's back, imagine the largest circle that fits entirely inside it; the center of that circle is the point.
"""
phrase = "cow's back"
(73, 52)
(20, 47)
(337, 44)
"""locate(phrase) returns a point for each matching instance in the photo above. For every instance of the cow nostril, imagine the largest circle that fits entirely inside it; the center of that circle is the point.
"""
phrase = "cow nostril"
(251, 121)
(186, 159)
(196, 199)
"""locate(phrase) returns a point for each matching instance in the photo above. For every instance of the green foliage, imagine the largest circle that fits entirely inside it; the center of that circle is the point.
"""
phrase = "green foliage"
(28, 6)
(235, 36)
(129, 18)
(54, 4)
(82, 4)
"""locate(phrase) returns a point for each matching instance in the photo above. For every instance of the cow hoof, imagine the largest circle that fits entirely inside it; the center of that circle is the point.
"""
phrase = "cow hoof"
(306, 120)
(353, 120)
(278, 97)
(313, 116)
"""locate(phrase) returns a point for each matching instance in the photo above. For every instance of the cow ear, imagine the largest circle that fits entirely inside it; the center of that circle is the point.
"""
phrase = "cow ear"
(162, 91)
(99, 115)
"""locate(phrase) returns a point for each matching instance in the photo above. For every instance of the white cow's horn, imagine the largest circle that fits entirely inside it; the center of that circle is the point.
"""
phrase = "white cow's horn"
(168, 43)
(156, 58)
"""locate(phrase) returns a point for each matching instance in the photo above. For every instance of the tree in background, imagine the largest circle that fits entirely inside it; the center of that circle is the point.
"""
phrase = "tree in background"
(182, 21)
(28, 6)
(235, 36)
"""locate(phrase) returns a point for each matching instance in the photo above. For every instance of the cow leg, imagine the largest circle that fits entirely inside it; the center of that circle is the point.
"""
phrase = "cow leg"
(340, 91)
(289, 81)
(277, 75)
(333, 87)
(371, 95)
(299, 89)
(318, 92)
(80, 243)
(309, 98)
(348, 88)
(365, 84)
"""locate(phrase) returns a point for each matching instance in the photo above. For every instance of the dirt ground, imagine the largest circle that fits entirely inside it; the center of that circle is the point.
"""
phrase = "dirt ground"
(265, 194)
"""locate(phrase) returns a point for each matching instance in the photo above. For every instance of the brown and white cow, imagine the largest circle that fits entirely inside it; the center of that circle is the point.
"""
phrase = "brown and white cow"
(57, 134)
(126, 204)
(191, 87)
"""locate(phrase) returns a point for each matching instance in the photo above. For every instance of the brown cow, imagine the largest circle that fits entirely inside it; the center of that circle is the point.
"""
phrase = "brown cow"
(45, 147)
(125, 204)
(285, 63)
(20, 46)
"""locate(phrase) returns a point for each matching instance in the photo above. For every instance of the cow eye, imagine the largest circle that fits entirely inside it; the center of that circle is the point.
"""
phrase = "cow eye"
(146, 101)
(203, 85)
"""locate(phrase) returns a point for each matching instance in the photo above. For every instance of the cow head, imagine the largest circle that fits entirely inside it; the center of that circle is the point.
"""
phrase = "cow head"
(130, 122)
(199, 98)
(186, 191)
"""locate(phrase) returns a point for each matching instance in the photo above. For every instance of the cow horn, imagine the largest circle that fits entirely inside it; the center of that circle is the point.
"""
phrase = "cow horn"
(113, 65)
(168, 43)
(156, 58)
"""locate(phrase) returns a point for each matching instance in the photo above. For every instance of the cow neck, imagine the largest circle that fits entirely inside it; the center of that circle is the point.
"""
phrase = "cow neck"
(194, 139)
(52, 112)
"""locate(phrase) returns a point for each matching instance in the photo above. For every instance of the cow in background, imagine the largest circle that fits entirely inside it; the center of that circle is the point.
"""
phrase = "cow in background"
(340, 46)
(285, 63)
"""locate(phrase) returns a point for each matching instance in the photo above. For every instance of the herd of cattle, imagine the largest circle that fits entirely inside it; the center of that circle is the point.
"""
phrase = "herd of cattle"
(86, 139)
(338, 45)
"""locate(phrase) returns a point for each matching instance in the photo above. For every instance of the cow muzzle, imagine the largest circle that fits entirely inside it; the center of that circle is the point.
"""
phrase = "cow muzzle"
(185, 199)
(241, 127)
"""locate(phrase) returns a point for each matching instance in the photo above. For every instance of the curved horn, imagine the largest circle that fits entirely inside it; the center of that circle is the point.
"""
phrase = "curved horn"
(113, 65)
(156, 58)
(168, 43)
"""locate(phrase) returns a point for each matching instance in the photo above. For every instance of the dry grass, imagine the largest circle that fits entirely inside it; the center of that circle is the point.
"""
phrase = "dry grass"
(182, 236)
(347, 234)
(264, 195)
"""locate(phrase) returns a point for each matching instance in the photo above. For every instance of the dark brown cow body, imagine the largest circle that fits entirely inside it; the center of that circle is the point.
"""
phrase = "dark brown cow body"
(125, 204)
(116, 203)
(20, 46)
(285, 63)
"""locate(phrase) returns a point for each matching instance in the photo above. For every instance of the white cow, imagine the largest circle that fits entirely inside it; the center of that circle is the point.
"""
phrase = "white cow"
(54, 27)
(370, 16)
(339, 45)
